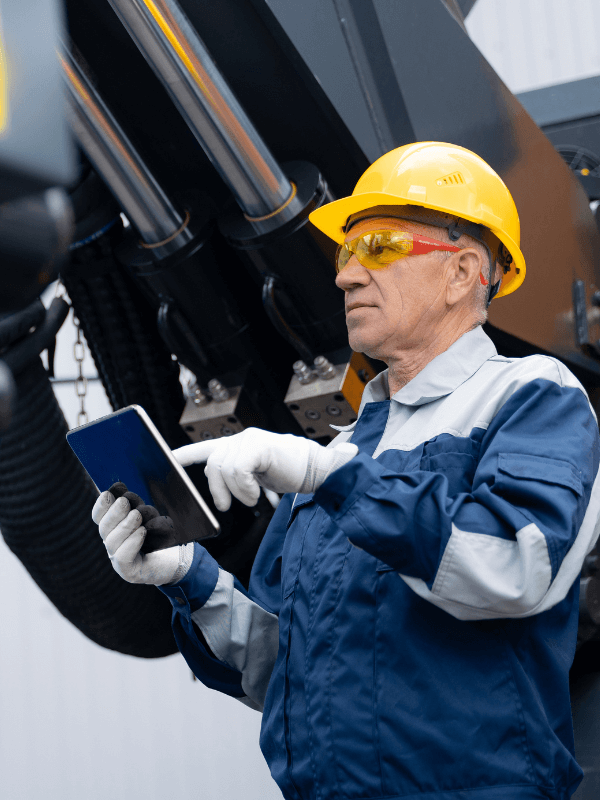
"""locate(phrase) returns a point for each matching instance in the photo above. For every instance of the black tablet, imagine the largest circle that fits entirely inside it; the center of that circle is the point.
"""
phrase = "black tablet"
(126, 446)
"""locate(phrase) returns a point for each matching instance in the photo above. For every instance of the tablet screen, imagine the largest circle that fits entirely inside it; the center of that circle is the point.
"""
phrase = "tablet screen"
(125, 446)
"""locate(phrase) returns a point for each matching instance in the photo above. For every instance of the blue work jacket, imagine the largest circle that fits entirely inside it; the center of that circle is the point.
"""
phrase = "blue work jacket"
(409, 628)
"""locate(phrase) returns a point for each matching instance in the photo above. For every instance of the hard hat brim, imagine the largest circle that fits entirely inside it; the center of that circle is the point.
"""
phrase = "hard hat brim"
(331, 220)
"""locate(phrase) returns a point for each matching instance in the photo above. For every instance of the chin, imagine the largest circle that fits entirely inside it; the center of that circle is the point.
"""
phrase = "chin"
(364, 344)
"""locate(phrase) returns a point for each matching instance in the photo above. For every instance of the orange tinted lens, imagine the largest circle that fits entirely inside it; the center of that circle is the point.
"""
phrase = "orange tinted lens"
(375, 249)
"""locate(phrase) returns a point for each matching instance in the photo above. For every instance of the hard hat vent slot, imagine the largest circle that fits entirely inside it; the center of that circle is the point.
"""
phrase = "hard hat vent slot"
(451, 180)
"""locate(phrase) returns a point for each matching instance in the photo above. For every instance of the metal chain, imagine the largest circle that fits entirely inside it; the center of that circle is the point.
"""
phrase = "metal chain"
(81, 380)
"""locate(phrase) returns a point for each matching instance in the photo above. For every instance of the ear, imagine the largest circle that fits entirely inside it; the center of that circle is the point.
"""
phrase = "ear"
(464, 269)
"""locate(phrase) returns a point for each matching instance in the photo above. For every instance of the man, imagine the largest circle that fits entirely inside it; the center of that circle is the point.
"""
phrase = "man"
(412, 611)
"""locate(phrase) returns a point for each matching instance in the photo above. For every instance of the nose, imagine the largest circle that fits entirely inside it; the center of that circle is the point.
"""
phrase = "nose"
(352, 275)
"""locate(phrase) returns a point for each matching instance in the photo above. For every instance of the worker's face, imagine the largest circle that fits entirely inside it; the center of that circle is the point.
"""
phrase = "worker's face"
(399, 307)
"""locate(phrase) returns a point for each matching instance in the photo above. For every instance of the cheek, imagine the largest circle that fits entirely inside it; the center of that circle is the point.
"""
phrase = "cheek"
(402, 295)
(411, 299)
(423, 286)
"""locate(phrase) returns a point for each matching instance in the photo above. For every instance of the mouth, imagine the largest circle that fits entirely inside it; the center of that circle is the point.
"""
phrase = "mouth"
(354, 306)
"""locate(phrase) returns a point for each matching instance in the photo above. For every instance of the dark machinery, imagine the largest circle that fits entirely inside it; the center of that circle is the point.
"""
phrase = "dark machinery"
(215, 129)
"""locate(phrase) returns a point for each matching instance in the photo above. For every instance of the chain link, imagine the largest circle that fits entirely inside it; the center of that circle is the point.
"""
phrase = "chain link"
(61, 291)
(81, 383)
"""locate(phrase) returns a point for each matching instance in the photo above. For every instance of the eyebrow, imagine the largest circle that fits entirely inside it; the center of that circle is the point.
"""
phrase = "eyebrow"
(350, 225)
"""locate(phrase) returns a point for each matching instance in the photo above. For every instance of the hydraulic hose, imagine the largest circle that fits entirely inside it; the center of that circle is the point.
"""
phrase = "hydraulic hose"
(120, 328)
(279, 321)
(27, 349)
(45, 503)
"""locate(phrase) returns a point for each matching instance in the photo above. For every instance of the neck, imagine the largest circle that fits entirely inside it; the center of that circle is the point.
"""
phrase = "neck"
(404, 365)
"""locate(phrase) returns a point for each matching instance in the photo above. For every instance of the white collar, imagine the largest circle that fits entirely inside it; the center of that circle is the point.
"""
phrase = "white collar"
(441, 376)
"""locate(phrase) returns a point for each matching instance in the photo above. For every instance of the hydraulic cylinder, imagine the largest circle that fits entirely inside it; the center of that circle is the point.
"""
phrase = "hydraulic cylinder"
(274, 203)
(173, 254)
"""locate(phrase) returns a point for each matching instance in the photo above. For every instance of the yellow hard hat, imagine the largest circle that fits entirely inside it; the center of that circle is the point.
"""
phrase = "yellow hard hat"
(439, 176)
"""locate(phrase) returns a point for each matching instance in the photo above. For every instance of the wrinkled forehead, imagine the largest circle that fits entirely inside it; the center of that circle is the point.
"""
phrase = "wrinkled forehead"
(419, 215)
(361, 223)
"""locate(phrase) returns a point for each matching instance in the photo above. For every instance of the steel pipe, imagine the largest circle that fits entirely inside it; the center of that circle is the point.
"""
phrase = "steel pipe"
(161, 226)
(172, 47)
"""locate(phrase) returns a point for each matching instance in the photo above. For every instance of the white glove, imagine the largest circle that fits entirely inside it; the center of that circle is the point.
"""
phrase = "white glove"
(123, 535)
(242, 463)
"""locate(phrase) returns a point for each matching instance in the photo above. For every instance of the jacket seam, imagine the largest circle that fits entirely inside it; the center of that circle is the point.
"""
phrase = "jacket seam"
(519, 705)
(375, 705)
(330, 669)
(287, 701)
(309, 630)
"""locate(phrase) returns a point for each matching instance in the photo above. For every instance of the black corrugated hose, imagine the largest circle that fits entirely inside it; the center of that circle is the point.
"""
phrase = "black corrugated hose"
(45, 503)
(119, 325)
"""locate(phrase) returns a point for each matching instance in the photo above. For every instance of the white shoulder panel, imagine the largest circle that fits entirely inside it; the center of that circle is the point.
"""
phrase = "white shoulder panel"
(473, 404)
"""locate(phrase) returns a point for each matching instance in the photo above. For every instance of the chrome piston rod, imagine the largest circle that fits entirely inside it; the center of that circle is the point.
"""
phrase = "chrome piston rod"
(172, 47)
(161, 227)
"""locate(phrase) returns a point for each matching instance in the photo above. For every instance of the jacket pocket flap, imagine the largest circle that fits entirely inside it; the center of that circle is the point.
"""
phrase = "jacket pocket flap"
(539, 468)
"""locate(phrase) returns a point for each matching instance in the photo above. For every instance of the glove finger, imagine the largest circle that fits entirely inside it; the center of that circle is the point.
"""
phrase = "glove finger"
(118, 489)
(273, 497)
(135, 501)
(127, 560)
(196, 453)
(101, 506)
(346, 447)
(160, 524)
(115, 514)
(237, 470)
(122, 531)
(161, 533)
(217, 485)
(148, 513)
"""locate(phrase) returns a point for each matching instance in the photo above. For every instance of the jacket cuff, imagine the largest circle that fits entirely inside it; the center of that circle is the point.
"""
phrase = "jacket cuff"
(193, 590)
(342, 489)
(346, 484)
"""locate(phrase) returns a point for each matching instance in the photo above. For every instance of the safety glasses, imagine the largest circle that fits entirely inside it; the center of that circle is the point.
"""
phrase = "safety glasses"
(377, 249)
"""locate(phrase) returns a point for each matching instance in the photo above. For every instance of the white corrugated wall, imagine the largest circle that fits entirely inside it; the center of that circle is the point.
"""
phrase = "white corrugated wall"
(81, 723)
(535, 43)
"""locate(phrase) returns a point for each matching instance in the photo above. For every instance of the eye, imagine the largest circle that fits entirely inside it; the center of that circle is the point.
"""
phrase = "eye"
(386, 253)
(376, 244)
(383, 250)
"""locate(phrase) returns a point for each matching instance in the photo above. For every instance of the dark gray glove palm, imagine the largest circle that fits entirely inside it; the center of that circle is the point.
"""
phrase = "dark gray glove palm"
(123, 531)
(160, 530)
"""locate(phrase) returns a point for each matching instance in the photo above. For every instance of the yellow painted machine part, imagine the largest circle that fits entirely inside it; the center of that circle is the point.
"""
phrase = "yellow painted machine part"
(353, 386)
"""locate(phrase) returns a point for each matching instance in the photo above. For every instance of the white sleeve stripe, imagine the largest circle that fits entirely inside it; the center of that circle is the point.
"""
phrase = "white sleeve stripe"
(241, 634)
(483, 579)
(489, 573)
